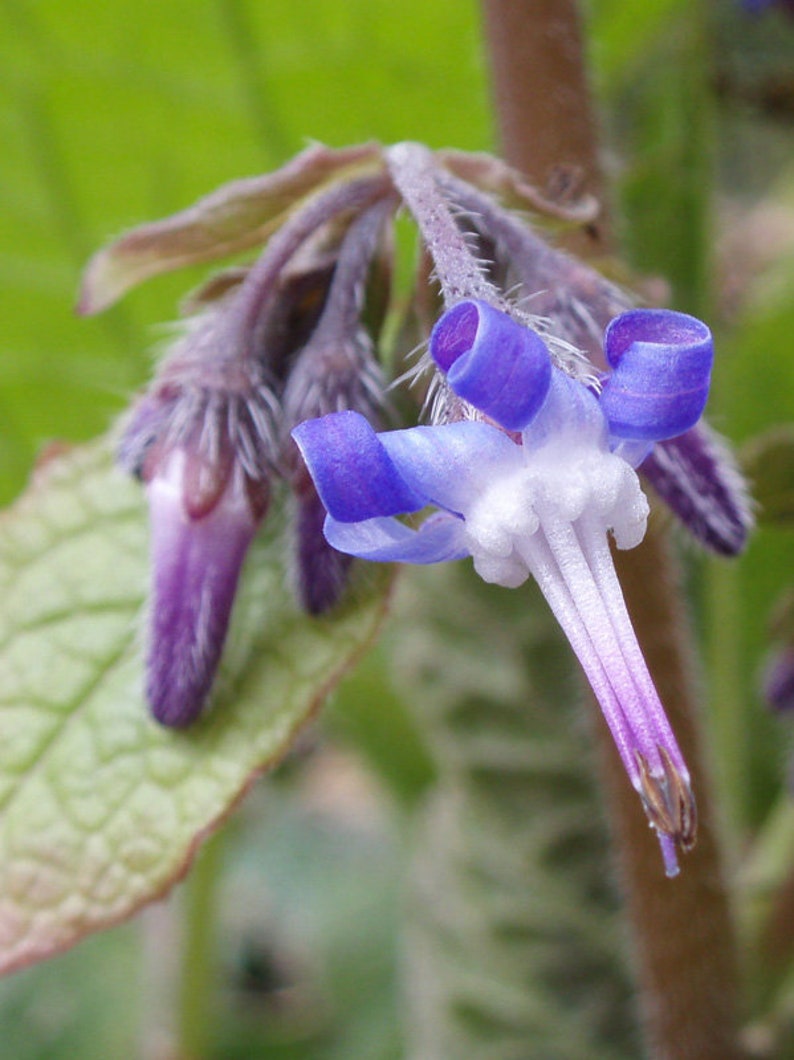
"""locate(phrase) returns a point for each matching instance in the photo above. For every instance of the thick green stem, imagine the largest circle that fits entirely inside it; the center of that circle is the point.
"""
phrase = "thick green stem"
(683, 933)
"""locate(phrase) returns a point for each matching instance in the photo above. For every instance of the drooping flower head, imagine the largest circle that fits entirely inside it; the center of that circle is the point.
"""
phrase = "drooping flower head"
(545, 390)
(532, 484)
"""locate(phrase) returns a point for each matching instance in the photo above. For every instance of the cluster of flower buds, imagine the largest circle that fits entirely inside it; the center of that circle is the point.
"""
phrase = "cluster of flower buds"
(543, 390)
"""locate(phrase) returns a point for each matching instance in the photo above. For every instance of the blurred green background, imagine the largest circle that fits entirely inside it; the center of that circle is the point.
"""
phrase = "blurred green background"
(112, 113)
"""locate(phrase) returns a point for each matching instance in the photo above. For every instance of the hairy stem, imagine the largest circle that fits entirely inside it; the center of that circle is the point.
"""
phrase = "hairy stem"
(459, 273)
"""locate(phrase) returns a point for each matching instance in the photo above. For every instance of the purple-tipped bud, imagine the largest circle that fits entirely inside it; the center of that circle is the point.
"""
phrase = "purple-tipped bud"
(202, 523)
(778, 680)
(335, 371)
(202, 442)
(696, 475)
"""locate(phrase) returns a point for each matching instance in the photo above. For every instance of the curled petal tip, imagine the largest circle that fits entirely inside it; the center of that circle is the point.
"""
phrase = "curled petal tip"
(354, 475)
(496, 364)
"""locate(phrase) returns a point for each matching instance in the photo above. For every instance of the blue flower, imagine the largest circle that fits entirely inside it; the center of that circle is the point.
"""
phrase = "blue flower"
(532, 482)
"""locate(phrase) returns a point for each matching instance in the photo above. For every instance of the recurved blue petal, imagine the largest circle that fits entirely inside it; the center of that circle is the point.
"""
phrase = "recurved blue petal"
(354, 474)
(661, 363)
(451, 465)
(493, 362)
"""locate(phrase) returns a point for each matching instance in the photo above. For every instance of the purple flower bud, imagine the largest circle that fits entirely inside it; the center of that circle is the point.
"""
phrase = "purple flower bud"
(203, 521)
(778, 680)
(336, 370)
(321, 571)
(210, 432)
(202, 442)
(697, 477)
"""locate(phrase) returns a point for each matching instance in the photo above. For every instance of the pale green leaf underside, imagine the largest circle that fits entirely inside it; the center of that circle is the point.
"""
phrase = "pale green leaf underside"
(100, 808)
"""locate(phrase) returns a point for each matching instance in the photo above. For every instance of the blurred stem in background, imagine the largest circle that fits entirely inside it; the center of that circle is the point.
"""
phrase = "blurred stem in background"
(198, 979)
(688, 979)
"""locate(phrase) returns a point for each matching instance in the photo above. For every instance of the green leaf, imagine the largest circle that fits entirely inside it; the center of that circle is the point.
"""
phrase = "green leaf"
(769, 463)
(101, 809)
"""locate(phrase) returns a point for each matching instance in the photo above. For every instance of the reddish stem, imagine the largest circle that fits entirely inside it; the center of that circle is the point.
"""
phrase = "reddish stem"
(541, 98)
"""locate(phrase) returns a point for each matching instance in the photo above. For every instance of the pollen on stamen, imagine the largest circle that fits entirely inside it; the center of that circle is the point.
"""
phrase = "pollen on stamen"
(668, 801)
